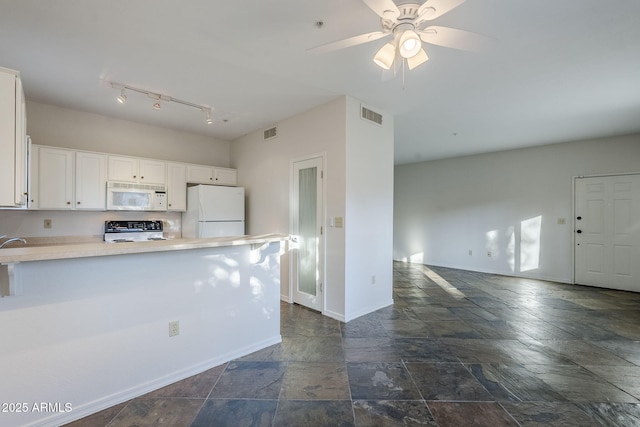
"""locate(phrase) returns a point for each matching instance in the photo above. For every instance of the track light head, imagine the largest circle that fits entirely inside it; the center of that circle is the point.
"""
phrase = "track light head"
(207, 112)
(122, 98)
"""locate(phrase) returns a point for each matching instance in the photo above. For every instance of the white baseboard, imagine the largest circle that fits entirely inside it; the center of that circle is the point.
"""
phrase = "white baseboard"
(147, 387)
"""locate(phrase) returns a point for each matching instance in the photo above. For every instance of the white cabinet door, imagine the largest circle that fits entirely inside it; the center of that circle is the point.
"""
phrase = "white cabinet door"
(91, 181)
(13, 178)
(34, 165)
(21, 171)
(55, 178)
(225, 176)
(132, 169)
(153, 171)
(122, 169)
(198, 174)
(177, 186)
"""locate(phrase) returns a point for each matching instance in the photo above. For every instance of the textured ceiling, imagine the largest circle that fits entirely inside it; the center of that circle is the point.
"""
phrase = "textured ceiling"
(553, 71)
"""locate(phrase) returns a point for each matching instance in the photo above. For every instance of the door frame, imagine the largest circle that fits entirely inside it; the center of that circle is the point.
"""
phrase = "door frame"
(323, 252)
(573, 212)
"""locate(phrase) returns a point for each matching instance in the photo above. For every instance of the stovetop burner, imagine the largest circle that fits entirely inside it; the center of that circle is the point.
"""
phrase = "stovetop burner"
(132, 231)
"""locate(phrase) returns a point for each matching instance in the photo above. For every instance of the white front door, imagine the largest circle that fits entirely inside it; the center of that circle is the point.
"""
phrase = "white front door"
(306, 234)
(607, 231)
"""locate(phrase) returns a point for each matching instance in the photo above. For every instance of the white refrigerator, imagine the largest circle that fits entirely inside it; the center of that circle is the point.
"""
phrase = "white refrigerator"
(213, 211)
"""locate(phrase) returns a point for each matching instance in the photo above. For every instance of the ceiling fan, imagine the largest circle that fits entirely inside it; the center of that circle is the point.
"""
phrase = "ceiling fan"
(408, 22)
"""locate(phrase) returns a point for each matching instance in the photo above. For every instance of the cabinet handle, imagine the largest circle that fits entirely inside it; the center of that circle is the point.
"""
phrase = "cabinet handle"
(211, 179)
(68, 203)
(142, 177)
(78, 202)
(134, 176)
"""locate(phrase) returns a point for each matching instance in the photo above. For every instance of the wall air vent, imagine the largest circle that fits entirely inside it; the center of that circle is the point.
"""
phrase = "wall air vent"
(271, 133)
(370, 115)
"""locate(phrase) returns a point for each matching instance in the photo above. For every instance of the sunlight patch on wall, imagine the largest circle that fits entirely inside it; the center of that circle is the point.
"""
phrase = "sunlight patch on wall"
(530, 243)
(417, 258)
(492, 246)
(511, 247)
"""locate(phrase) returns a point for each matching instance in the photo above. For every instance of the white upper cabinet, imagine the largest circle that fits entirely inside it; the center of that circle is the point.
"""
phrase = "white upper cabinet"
(225, 176)
(13, 141)
(132, 169)
(176, 187)
(67, 179)
(90, 181)
(153, 171)
(55, 178)
(199, 174)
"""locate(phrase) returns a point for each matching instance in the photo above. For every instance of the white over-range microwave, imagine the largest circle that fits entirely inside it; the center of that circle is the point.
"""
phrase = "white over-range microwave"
(127, 196)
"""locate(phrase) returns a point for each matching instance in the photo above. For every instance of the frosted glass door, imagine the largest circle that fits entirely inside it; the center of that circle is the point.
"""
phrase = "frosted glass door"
(307, 233)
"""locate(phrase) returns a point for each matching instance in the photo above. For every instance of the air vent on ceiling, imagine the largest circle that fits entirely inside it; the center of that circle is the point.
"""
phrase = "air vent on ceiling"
(371, 115)
(271, 133)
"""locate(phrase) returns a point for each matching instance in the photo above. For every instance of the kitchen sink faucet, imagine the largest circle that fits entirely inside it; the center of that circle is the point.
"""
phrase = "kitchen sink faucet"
(12, 239)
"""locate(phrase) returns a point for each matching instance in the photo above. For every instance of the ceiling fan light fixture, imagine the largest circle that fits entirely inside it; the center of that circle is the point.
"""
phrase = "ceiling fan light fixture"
(410, 44)
(417, 60)
(385, 56)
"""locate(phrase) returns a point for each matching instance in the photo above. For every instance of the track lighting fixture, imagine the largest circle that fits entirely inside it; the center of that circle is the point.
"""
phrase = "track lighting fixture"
(156, 105)
(158, 98)
(207, 111)
(122, 98)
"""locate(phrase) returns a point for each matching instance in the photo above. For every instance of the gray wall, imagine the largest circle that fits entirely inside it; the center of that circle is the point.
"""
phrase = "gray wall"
(509, 203)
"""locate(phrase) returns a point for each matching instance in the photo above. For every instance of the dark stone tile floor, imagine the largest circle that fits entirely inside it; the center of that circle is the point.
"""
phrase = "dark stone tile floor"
(457, 348)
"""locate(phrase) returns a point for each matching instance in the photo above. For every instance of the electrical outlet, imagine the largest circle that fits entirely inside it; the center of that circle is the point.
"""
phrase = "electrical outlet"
(373, 280)
(174, 328)
(47, 223)
(470, 252)
(562, 221)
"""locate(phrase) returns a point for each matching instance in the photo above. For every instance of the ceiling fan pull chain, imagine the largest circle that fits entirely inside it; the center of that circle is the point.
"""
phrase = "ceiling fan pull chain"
(403, 74)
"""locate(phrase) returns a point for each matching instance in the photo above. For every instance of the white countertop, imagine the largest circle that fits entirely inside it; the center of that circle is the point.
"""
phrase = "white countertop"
(94, 249)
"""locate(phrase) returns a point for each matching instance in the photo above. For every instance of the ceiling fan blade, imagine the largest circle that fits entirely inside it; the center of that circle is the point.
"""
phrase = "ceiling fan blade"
(454, 38)
(348, 42)
(383, 8)
(433, 9)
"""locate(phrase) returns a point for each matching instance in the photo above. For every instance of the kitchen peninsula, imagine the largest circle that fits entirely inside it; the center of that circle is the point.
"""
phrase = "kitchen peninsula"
(101, 323)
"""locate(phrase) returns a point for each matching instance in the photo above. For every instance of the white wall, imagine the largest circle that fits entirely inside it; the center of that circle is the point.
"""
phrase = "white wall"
(61, 127)
(266, 166)
(358, 177)
(93, 332)
(446, 208)
(369, 213)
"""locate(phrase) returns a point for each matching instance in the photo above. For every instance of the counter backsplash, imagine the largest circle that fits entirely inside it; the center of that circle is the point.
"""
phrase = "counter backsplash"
(75, 226)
